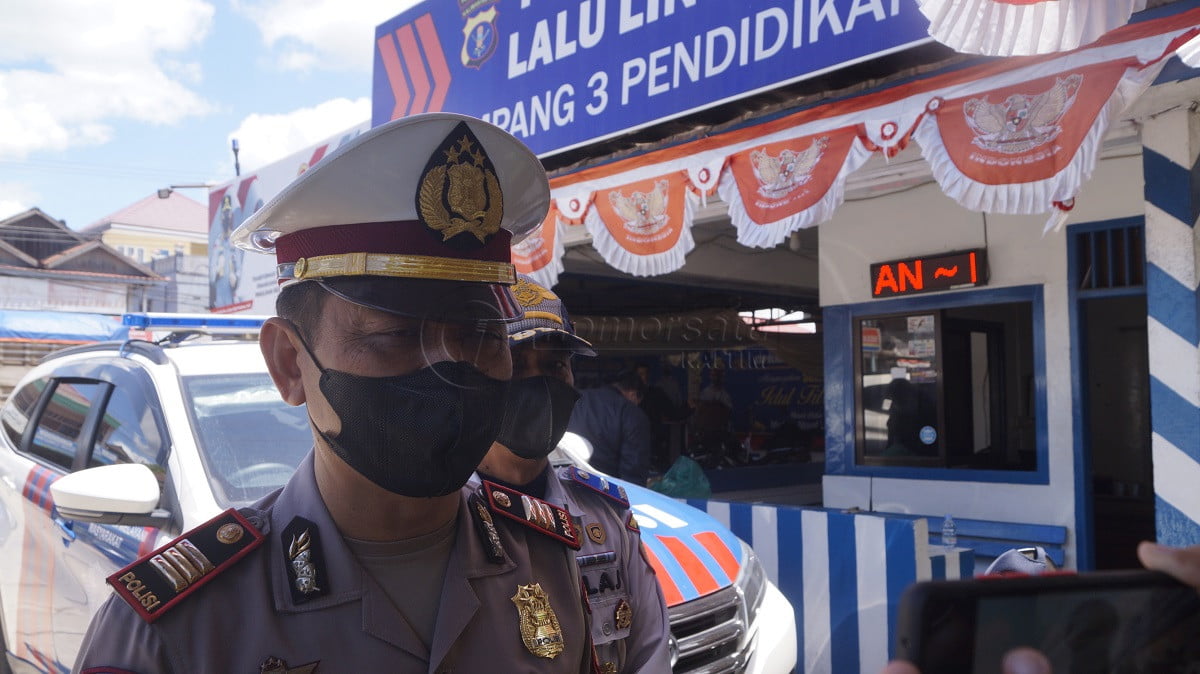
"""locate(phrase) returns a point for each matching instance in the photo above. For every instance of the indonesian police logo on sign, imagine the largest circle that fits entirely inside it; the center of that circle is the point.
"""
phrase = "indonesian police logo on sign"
(479, 33)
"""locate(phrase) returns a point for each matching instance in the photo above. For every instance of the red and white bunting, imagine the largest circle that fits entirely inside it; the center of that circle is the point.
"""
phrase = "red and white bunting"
(704, 177)
(644, 228)
(1020, 147)
(890, 136)
(1023, 27)
(540, 253)
(573, 203)
(774, 189)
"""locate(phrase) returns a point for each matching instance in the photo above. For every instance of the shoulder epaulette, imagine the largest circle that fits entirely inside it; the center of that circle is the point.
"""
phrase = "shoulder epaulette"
(161, 579)
(599, 484)
(532, 512)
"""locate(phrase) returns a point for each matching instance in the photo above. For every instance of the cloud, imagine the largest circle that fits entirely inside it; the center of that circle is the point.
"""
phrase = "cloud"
(68, 68)
(267, 138)
(16, 198)
(328, 34)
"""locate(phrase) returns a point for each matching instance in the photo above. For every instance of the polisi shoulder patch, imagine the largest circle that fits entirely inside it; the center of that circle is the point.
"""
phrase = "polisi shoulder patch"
(542, 517)
(599, 484)
(161, 579)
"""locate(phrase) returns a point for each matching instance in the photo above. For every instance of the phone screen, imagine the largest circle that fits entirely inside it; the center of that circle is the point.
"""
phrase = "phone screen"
(1081, 624)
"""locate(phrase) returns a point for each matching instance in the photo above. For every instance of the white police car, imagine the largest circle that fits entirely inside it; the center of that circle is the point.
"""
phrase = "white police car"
(158, 438)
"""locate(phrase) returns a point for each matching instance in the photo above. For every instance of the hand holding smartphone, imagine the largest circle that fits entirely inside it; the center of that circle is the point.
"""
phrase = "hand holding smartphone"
(1119, 621)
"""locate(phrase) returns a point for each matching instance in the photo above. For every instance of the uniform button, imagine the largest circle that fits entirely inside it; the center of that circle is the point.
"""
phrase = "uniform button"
(606, 628)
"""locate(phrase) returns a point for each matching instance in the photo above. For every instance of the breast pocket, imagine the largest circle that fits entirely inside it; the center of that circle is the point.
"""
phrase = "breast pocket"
(608, 595)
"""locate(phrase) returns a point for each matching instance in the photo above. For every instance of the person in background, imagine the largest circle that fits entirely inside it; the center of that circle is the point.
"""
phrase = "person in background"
(393, 256)
(609, 417)
(629, 617)
(664, 413)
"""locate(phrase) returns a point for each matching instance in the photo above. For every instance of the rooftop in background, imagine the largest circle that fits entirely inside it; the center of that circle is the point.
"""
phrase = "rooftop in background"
(177, 212)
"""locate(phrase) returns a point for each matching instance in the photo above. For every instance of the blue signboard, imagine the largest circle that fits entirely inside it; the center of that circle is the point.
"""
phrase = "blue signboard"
(562, 73)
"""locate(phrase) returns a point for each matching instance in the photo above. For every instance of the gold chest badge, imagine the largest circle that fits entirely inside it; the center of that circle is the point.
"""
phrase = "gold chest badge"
(539, 625)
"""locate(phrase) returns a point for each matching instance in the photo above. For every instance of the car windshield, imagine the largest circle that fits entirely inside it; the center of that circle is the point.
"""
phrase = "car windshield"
(250, 440)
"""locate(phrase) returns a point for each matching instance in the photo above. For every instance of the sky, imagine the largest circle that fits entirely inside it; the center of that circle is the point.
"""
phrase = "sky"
(103, 102)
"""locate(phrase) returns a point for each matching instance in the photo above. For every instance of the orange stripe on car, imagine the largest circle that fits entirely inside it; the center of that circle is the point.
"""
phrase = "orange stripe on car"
(720, 552)
(696, 572)
(670, 590)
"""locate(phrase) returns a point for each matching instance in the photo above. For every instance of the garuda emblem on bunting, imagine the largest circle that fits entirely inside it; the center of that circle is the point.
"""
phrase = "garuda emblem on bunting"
(1021, 122)
(644, 213)
(781, 173)
(777, 188)
(1026, 132)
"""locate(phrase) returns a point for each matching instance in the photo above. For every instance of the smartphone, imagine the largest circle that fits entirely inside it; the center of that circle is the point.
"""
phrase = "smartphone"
(1105, 621)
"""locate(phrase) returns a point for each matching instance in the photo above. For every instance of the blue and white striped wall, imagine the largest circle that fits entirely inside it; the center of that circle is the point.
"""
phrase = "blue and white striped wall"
(842, 572)
(1171, 168)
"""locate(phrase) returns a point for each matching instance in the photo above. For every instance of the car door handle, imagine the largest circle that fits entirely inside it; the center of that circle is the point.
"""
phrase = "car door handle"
(67, 529)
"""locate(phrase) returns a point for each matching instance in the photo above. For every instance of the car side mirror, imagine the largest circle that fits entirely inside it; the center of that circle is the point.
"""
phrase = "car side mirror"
(123, 493)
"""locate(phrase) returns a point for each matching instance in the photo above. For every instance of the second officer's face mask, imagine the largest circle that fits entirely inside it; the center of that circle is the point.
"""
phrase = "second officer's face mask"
(536, 414)
(421, 434)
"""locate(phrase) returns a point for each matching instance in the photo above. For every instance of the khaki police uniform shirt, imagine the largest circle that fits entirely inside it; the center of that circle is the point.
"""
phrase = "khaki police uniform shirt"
(245, 619)
(641, 645)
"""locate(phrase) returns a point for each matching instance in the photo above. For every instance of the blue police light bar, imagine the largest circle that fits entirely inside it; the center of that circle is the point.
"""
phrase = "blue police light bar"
(201, 322)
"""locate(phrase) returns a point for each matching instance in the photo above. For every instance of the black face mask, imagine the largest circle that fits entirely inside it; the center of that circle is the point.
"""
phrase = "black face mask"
(536, 415)
(420, 434)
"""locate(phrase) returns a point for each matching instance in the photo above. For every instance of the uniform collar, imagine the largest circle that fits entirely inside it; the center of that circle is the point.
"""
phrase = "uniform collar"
(301, 498)
(560, 493)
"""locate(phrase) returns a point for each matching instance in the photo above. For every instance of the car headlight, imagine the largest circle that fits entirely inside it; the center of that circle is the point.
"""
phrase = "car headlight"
(751, 583)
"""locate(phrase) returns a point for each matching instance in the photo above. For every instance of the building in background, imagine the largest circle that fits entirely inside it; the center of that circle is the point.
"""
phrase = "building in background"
(169, 234)
(46, 266)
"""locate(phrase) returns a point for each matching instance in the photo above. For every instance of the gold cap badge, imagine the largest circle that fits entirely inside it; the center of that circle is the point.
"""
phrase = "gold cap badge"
(459, 191)
(539, 625)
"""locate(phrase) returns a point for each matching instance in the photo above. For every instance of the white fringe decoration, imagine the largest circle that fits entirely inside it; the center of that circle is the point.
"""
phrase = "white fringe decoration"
(997, 28)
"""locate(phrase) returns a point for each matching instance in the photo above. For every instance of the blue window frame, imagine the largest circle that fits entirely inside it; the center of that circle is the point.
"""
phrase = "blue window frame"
(845, 435)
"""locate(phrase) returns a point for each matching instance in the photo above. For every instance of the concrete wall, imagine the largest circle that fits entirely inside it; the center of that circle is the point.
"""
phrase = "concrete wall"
(924, 221)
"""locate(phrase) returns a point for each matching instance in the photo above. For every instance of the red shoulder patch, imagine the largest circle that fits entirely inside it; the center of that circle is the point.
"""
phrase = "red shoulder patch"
(161, 579)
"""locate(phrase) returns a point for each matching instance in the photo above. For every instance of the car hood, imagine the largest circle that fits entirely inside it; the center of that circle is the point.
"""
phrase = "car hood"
(692, 553)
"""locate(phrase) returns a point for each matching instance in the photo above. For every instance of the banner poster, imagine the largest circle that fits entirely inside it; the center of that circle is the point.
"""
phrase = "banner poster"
(240, 281)
(562, 74)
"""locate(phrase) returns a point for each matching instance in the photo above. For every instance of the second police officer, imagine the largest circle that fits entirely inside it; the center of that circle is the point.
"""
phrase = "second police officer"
(630, 628)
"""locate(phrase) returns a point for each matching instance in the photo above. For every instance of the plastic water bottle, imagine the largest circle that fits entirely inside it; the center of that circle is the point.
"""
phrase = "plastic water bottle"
(949, 533)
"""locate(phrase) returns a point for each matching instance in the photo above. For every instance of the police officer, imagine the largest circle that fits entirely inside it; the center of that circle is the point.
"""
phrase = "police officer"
(629, 619)
(393, 254)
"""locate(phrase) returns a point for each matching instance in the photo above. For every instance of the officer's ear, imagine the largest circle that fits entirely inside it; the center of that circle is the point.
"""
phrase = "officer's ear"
(282, 351)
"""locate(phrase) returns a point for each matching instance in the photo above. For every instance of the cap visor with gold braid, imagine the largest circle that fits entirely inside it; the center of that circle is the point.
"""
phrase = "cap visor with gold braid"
(414, 217)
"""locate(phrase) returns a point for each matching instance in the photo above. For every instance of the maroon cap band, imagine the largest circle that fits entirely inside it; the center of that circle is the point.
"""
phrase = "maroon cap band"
(401, 237)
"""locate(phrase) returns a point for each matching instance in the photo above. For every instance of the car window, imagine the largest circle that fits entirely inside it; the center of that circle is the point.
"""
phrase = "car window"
(250, 440)
(128, 432)
(61, 424)
(15, 417)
